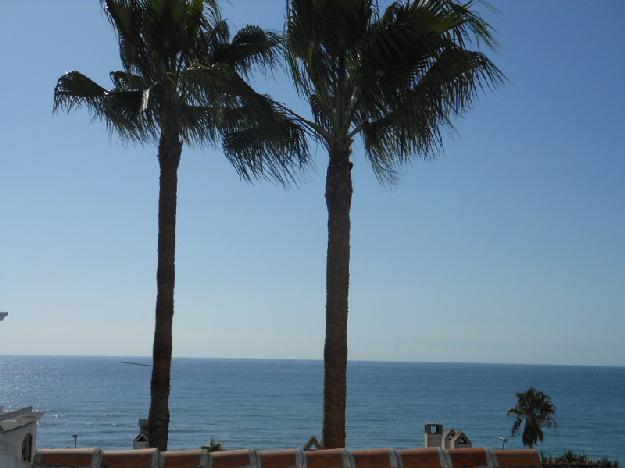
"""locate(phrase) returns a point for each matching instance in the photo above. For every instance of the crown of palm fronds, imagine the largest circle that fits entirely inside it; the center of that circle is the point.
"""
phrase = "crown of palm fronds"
(182, 70)
(537, 410)
(397, 78)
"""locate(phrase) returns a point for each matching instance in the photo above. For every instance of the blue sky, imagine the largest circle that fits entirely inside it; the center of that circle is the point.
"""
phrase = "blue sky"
(508, 248)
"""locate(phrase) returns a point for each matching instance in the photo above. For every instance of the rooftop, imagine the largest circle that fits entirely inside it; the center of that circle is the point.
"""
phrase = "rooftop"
(291, 458)
(13, 419)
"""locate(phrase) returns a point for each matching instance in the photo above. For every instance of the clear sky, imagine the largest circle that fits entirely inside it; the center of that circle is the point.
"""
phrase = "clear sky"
(509, 248)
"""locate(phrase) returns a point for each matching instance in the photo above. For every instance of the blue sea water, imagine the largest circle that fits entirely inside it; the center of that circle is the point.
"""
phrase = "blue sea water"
(278, 403)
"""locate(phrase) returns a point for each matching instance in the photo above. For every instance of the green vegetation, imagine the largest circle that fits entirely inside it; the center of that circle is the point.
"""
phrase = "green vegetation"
(571, 458)
(395, 78)
(538, 411)
(183, 83)
(213, 445)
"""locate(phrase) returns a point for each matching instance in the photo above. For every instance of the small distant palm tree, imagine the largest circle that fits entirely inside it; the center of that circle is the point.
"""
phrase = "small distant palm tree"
(213, 445)
(538, 411)
(183, 82)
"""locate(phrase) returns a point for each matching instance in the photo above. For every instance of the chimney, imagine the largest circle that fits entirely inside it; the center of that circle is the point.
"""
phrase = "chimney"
(433, 435)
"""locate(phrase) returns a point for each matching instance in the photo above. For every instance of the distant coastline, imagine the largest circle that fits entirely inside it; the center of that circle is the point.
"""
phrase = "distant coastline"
(132, 363)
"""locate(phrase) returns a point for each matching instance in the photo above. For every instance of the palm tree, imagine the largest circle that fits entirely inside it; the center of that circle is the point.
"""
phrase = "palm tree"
(538, 411)
(396, 79)
(183, 82)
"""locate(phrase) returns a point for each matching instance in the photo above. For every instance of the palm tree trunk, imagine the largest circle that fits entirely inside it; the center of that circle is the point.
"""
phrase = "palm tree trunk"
(169, 150)
(338, 202)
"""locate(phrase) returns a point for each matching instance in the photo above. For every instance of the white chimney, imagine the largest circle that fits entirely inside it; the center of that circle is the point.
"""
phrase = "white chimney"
(433, 435)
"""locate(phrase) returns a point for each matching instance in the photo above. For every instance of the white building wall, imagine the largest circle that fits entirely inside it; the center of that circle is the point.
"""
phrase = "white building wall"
(11, 446)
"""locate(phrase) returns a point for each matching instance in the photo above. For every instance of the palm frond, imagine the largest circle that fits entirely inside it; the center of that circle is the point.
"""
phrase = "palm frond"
(132, 114)
(123, 111)
(126, 17)
(455, 20)
(207, 85)
(211, 40)
(199, 124)
(252, 47)
(316, 34)
(127, 81)
(75, 89)
(395, 129)
(274, 149)
(516, 425)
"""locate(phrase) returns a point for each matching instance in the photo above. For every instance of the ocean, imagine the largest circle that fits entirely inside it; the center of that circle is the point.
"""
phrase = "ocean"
(278, 403)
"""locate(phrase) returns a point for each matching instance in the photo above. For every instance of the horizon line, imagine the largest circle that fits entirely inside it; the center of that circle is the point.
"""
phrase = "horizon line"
(381, 361)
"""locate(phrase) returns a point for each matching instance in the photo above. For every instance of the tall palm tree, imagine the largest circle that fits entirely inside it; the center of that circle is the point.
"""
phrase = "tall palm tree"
(396, 79)
(538, 411)
(183, 82)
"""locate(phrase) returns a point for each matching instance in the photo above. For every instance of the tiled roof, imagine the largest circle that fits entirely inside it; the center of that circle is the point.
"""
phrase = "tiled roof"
(338, 458)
